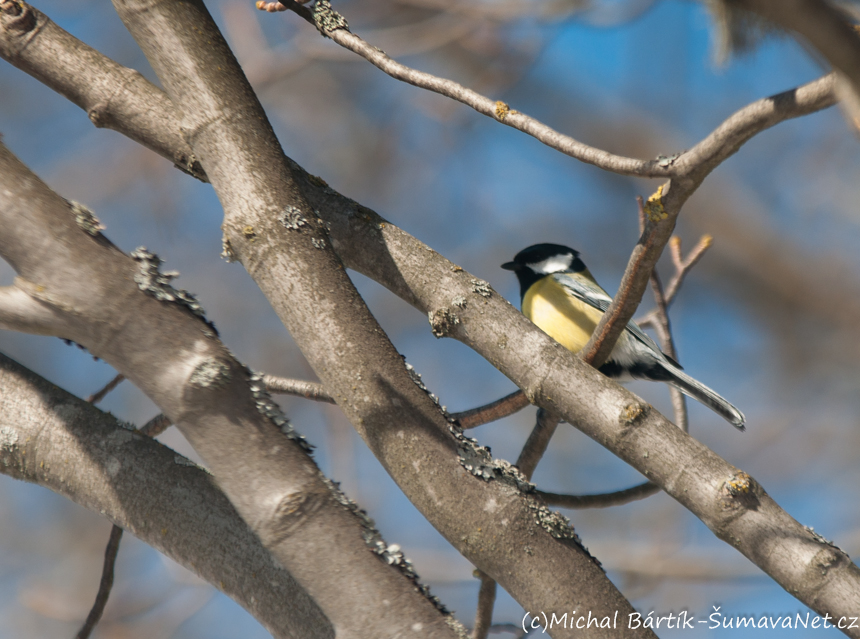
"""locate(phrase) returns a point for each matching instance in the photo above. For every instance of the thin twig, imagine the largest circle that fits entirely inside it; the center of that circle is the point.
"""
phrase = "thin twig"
(683, 266)
(642, 261)
(660, 320)
(536, 445)
(112, 548)
(661, 316)
(95, 398)
(664, 332)
(600, 500)
(105, 585)
(495, 109)
(507, 405)
(157, 425)
(704, 156)
(53, 57)
(298, 387)
(471, 418)
(486, 600)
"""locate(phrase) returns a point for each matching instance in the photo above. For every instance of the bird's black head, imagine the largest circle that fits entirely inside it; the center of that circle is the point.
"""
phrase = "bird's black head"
(540, 260)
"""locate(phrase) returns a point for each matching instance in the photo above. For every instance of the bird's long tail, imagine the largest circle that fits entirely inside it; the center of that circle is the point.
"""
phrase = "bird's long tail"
(698, 391)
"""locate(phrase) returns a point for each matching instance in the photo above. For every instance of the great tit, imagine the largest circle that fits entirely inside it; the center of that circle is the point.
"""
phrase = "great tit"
(562, 298)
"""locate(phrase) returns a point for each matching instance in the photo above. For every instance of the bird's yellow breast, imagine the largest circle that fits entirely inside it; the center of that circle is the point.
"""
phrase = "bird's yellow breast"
(567, 320)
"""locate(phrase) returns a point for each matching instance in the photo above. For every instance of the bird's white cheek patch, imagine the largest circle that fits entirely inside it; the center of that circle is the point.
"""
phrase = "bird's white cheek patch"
(553, 264)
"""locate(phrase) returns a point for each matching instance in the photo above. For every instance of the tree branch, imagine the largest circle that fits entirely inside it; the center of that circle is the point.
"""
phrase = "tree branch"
(601, 500)
(486, 600)
(749, 121)
(125, 312)
(113, 96)
(112, 549)
(507, 405)
(105, 585)
(298, 387)
(53, 439)
(20, 312)
(96, 397)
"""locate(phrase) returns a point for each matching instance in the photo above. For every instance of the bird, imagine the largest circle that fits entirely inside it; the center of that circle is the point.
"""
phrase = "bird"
(562, 298)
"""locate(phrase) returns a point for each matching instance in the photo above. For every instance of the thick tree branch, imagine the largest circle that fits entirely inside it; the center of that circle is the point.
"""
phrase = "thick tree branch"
(51, 438)
(125, 312)
(20, 312)
(113, 96)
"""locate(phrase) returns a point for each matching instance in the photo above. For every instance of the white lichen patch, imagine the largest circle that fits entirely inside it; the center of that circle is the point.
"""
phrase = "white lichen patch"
(8, 438)
(481, 287)
(85, 218)
(327, 19)
(291, 218)
(227, 251)
(210, 373)
(270, 409)
(152, 281)
(389, 553)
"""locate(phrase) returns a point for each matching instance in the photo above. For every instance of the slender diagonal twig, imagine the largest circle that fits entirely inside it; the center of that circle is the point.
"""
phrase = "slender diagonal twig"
(486, 600)
(684, 265)
(507, 405)
(482, 104)
(536, 445)
(601, 500)
(704, 156)
(112, 549)
(95, 398)
(111, 552)
(661, 313)
(642, 261)
(298, 387)
(157, 425)
(664, 332)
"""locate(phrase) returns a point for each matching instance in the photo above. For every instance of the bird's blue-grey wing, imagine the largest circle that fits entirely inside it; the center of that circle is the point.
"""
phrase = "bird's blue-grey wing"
(593, 295)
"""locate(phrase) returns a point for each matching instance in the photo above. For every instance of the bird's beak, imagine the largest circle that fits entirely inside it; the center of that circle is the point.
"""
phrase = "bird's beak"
(511, 266)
